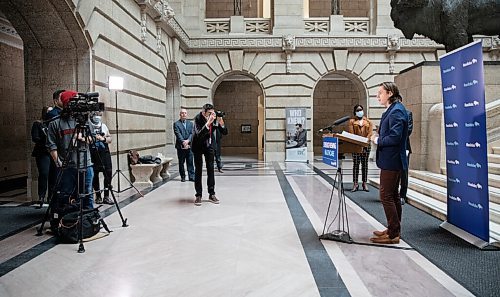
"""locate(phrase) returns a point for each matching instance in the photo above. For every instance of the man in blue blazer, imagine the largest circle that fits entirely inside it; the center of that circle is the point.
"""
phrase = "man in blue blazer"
(391, 159)
(183, 130)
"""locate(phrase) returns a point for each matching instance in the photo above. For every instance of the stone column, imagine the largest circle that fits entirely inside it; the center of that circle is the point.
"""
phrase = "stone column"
(193, 18)
(288, 17)
(385, 25)
(421, 91)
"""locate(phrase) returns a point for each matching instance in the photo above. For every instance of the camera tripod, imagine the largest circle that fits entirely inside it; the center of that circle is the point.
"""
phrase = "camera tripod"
(342, 232)
(81, 136)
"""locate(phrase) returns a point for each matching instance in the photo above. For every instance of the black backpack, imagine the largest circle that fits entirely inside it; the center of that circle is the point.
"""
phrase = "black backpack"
(69, 225)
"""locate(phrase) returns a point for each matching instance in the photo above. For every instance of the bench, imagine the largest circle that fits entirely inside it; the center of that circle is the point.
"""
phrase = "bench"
(146, 175)
(142, 174)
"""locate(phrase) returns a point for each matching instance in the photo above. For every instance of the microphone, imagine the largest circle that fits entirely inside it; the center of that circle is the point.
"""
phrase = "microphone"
(336, 123)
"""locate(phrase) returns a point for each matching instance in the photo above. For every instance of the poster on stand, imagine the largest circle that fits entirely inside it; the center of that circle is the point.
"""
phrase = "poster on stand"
(296, 135)
(462, 78)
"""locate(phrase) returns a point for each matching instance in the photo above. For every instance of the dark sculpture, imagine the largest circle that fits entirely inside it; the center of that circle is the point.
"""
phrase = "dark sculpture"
(449, 22)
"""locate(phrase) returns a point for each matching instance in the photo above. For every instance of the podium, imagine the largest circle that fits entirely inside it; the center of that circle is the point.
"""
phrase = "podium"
(347, 144)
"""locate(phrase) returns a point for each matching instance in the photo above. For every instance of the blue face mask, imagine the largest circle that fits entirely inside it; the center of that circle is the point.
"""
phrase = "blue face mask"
(359, 114)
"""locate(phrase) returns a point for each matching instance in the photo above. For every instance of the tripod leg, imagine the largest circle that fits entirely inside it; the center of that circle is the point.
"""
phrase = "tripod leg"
(329, 203)
(132, 185)
(124, 221)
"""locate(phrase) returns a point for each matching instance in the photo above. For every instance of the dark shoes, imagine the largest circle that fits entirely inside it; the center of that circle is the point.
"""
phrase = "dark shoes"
(355, 187)
(220, 170)
(197, 200)
(183, 179)
(108, 201)
(98, 200)
(365, 187)
(213, 199)
(384, 239)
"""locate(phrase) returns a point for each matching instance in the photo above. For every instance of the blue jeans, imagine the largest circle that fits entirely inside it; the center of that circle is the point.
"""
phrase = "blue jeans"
(43, 164)
(68, 190)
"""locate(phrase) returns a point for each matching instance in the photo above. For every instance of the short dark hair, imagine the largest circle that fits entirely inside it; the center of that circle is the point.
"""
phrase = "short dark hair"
(356, 107)
(207, 107)
(56, 94)
(300, 125)
(389, 86)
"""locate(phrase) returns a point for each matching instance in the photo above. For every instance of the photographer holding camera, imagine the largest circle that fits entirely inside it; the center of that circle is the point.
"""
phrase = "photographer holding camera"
(204, 144)
(60, 138)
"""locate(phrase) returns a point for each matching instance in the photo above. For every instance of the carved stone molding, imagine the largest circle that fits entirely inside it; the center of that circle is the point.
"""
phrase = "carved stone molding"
(159, 10)
(392, 47)
(288, 46)
(494, 46)
(144, 23)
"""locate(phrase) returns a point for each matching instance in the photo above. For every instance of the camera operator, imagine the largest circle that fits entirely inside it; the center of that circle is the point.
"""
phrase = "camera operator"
(60, 138)
(101, 157)
(203, 144)
(54, 112)
(219, 131)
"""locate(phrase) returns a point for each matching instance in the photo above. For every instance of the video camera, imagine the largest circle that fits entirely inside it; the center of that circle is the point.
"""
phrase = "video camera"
(82, 105)
(220, 114)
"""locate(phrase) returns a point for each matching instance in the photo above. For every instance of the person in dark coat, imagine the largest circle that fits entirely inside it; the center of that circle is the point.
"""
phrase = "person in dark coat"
(183, 130)
(391, 159)
(42, 155)
(204, 145)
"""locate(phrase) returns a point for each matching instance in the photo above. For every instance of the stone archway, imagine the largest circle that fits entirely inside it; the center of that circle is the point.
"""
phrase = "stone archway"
(334, 97)
(56, 56)
(173, 105)
(241, 97)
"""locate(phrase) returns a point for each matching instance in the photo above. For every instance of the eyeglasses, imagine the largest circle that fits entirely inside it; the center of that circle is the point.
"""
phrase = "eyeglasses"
(359, 110)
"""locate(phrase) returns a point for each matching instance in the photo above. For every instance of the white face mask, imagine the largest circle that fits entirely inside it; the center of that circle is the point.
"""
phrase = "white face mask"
(359, 114)
(96, 119)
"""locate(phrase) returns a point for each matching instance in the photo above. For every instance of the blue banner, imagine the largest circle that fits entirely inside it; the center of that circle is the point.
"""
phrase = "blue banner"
(462, 78)
(330, 151)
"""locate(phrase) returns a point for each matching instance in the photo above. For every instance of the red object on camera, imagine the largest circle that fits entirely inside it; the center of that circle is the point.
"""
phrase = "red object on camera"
(66, 96)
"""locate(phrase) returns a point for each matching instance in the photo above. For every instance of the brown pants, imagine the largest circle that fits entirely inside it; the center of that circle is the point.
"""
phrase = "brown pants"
(389, 195)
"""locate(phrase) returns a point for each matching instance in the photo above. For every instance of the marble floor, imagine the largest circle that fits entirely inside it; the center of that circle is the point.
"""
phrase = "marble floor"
(261, 240)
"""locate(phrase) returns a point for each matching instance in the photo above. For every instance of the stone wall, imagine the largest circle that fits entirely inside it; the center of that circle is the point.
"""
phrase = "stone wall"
(225, 8)
(239, 99)
(348, 8)
(332, 100)
(12, 114)
(201, 72)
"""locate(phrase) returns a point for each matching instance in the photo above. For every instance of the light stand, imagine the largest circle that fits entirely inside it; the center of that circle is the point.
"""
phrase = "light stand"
(115, 83)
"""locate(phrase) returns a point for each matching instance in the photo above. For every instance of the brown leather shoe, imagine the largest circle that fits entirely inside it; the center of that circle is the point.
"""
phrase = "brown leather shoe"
(197, 200)
(385, 239)
(380, 233)
(213, 199)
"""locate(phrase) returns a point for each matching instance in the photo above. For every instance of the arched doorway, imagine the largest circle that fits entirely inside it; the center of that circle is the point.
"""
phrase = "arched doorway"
(334, 97)
(173, 105)
(56, 55)
(242, 99)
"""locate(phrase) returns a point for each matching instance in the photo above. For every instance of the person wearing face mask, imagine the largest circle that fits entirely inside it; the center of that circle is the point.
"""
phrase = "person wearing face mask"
(101, 157)
(362, 126)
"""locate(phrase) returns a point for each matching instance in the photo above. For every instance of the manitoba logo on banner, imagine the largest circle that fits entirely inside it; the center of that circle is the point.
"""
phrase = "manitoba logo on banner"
(466, 145)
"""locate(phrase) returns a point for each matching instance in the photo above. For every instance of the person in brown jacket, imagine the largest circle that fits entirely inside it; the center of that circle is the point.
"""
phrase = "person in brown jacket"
(362, 126)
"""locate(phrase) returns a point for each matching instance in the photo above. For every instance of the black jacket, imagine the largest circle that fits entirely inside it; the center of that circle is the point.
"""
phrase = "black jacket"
(39, 137)
(203, 138)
